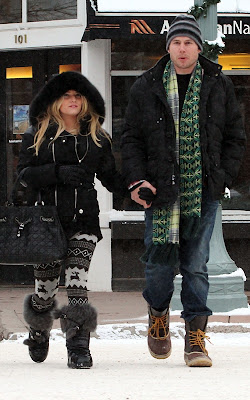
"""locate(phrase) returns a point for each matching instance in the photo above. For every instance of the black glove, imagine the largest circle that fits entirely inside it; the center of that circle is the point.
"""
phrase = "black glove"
(72, 175)
(146, 194)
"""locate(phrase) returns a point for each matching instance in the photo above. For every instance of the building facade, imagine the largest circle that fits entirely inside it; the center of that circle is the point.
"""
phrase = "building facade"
(39, 39)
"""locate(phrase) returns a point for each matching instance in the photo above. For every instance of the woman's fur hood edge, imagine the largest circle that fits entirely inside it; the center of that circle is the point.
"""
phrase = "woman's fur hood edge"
(60, 84)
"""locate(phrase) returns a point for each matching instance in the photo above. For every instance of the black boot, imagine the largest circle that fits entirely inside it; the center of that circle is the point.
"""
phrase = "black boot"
(40, 324)
(77, 322)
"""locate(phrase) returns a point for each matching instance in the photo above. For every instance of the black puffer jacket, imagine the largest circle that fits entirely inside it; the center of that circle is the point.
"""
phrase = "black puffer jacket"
(148, 140)
(77, 207)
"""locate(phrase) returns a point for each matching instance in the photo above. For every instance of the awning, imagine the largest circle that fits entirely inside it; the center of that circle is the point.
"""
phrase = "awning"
(102, 25)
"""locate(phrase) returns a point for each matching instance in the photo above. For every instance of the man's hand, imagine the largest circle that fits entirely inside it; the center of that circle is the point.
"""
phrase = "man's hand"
(136, 197)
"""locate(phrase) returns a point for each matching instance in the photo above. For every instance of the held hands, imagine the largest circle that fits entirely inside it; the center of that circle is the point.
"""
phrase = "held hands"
(72, 175)
(144, 194)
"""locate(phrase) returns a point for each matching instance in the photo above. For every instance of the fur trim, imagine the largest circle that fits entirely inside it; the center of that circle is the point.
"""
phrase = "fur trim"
(60, 84)
(38, 321)
(74, 318)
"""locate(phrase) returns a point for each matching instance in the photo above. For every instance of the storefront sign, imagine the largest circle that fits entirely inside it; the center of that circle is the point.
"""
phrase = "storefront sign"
(101, 26)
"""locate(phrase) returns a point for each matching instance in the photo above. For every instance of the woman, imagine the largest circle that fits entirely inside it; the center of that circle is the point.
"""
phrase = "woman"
(64, 149)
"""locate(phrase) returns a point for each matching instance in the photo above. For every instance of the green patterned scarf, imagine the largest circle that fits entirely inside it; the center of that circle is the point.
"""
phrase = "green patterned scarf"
(166, 221)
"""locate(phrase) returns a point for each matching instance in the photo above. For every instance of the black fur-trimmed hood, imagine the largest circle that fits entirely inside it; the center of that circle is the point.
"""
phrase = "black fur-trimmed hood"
(60, 84)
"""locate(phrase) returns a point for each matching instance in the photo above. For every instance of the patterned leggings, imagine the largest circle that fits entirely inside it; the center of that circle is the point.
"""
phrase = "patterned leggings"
(47, 276)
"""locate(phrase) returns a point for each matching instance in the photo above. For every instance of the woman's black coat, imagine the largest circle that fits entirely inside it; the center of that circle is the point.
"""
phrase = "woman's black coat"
(148, 140)
(77, 207)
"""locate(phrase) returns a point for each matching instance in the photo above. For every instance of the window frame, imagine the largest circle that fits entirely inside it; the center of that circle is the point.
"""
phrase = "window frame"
(45, 24)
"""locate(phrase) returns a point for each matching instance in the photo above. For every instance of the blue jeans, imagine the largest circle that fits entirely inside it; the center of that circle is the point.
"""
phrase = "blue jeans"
(193, 256)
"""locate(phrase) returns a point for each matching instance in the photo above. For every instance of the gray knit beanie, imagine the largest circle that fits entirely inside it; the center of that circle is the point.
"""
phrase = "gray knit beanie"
(184, 25)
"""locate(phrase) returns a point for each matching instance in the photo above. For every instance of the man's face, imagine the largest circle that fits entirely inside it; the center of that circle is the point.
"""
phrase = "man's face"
(184, 53)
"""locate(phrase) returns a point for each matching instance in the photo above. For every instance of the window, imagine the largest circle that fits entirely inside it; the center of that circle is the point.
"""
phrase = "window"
(14, 11)
(11, 11)
(47, 10)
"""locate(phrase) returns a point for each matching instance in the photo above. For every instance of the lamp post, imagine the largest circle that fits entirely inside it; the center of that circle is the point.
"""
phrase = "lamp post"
(226, 284)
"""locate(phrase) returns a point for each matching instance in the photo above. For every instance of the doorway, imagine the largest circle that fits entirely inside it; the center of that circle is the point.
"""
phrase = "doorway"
(22, 75)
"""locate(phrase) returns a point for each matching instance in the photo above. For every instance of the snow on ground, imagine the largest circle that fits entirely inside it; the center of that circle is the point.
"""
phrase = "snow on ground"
(124, 370)
(219, 333)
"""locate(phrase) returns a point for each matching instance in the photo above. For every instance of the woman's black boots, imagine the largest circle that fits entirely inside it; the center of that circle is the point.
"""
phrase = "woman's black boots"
(77, 322)
(40, 324)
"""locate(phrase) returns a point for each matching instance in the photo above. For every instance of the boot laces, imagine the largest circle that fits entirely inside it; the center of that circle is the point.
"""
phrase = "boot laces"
(159, 324)
(197, 338)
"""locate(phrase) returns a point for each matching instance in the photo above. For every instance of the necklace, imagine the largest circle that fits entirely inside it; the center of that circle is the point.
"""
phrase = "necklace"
(87, 148)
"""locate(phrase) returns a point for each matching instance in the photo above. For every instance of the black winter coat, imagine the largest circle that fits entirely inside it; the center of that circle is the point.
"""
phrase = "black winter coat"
(77, 207)
(148, 141)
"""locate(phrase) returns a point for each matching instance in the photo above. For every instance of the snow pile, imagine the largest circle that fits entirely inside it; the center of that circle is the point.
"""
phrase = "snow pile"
(220, 43)
(218, 332)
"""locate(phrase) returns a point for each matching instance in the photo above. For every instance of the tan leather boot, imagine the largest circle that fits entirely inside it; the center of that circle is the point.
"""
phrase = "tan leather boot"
(159, 342)
(195, 354)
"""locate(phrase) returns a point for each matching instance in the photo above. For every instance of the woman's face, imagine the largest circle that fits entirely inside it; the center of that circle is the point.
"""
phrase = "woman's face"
(71, 104)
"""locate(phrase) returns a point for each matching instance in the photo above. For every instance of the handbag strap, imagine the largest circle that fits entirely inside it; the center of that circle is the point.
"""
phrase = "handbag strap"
(15, 186)
(13, 195)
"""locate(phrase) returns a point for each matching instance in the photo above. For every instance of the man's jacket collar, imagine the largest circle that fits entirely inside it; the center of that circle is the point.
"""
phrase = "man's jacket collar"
(155, 73)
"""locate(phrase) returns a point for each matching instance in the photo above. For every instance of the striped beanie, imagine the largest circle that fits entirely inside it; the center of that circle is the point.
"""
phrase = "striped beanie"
(184, 25)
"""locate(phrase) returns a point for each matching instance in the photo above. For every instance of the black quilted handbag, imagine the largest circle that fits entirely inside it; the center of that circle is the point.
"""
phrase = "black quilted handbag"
(30, 234)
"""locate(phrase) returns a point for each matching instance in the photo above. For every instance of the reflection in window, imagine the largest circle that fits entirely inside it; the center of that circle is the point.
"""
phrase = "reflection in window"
(11, 11)
(69, 67)
(19, 72)
(47, 10)
(120, 94)
(234, 61)
(136, 54)
(240, 192)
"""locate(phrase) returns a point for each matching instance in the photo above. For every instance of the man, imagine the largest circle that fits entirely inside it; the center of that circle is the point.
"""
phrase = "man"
(182, 144)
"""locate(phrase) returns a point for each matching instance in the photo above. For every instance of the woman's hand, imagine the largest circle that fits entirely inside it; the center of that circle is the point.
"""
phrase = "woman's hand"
(72, 175)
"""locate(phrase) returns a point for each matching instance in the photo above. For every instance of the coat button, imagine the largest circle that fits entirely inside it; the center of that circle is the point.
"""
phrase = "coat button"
(81, 211)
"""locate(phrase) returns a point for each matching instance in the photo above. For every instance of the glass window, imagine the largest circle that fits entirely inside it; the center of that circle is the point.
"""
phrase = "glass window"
(47, 10)
(18, 98)
(136, 54)
(18, 72)
(231, 62)
(240, 192)
(69, 67)
(11, 11)
(120, 93)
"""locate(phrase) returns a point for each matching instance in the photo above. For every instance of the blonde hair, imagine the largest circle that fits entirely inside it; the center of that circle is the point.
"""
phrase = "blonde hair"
(53, 115)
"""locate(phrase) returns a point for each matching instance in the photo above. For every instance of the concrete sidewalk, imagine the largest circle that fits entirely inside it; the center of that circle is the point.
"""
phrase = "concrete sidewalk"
(123, 370)
(113, 308)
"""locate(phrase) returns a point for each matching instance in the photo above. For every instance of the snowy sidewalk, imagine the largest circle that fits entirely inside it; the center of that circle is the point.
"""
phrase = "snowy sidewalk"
(124, 370)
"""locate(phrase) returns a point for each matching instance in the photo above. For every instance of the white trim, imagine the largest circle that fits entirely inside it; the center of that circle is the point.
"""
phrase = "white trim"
(228, 216)
(236, 72)
(126, 72)
(160, 14)
(41, 24)
(24, 11)
(235, 216)
(140, 72)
